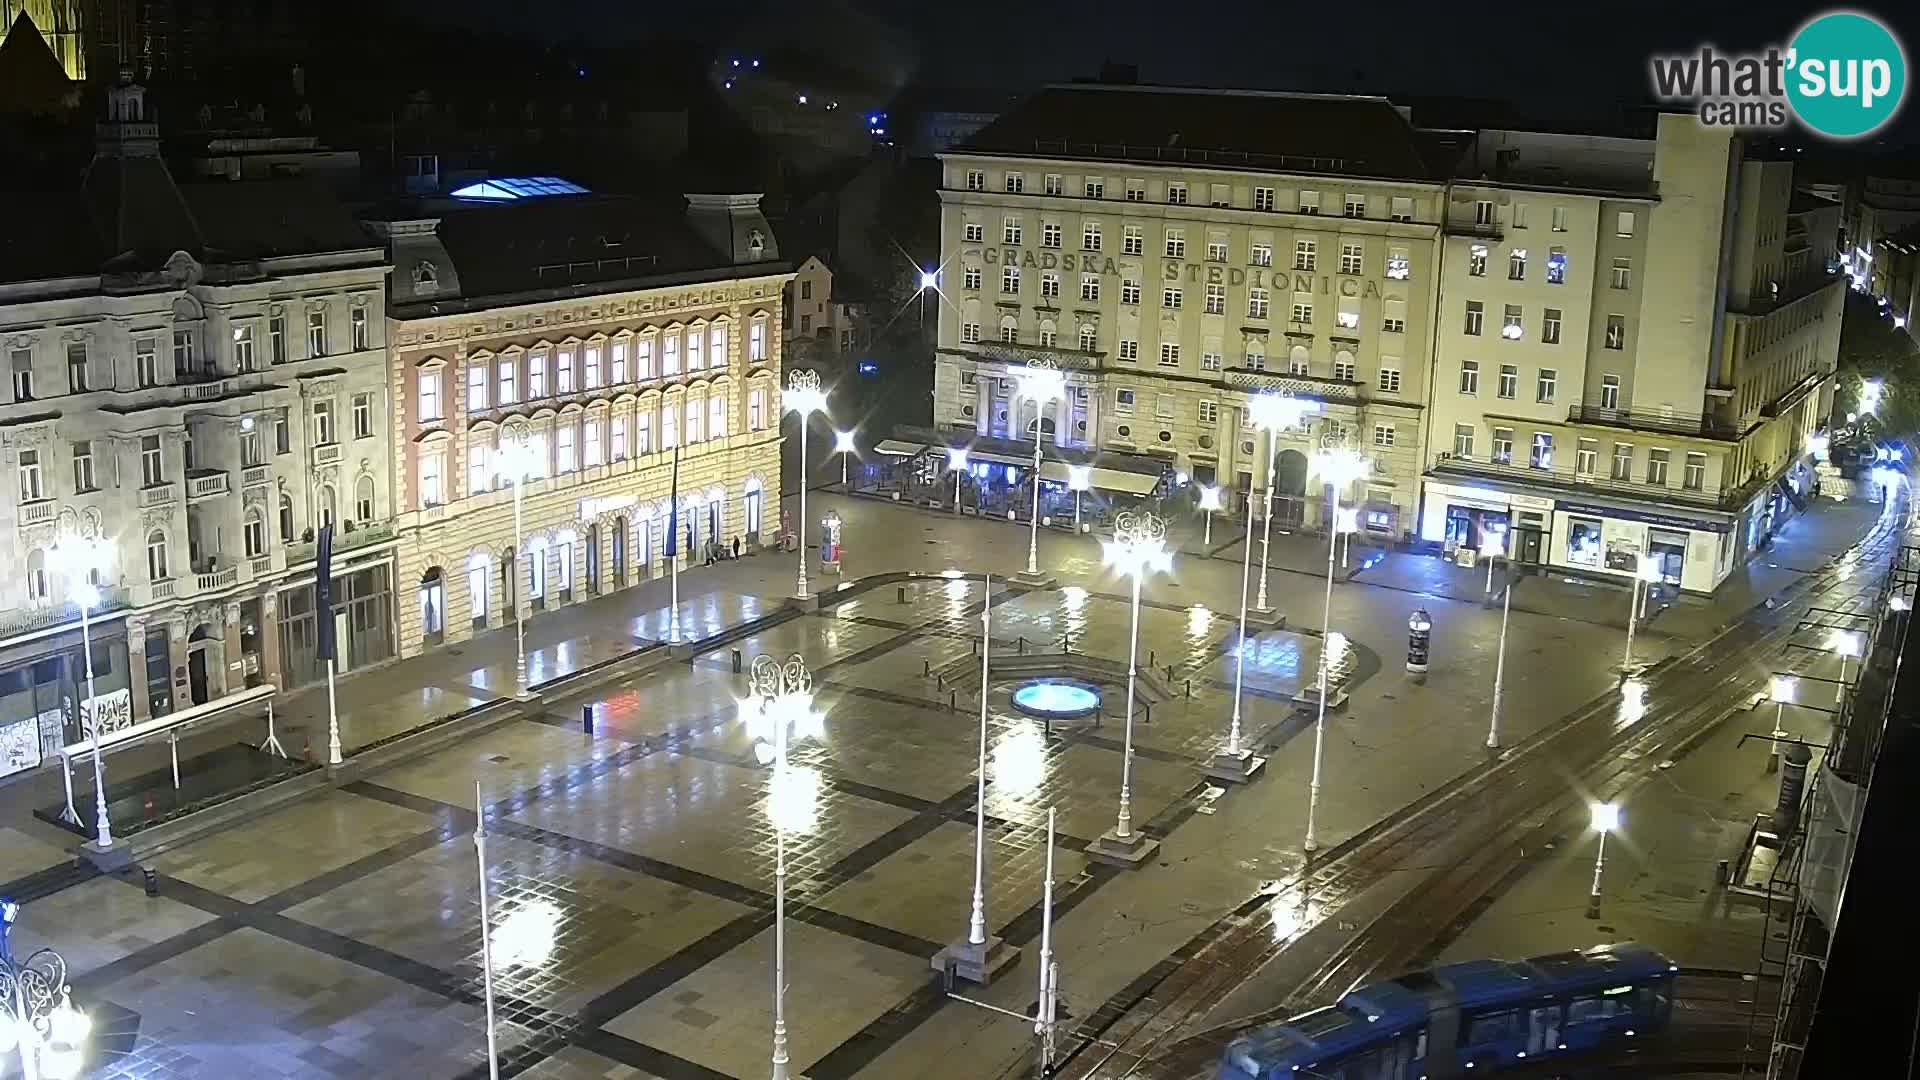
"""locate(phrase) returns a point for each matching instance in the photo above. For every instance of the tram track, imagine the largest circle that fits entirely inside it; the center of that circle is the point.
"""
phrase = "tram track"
(1462, 839)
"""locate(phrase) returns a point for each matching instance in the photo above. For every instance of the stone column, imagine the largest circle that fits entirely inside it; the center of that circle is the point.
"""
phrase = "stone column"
(270, 638)
(983, 407)
(137, 669)
(231, 679)
(177, 660)
(1063, 418)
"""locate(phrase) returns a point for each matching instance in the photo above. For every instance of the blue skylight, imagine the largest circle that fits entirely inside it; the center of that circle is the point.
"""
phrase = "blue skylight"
(505, 188)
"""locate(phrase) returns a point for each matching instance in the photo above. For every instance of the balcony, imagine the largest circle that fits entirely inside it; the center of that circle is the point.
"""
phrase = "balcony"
(1664, 421)
(205, 483)
(158, 495)
(162, 590)
(221, 578)
(262, 565)
(1562, 478)
(37, 513)
(327, 454)
(1484, 230)
(1015, 356)
(342, 541)
(256, 476)
(208, 391)
(1308, 386)
(24, 620)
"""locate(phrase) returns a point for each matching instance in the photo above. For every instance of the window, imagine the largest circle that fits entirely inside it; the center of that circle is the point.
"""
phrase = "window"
(1502, 446)
(757, 341)
(1009, 279)
(1623, 223)
(757, 410)
(1517, 264)
(1052, 184)
(1483, 212)
(509, 384)
(1164, 406)
(590, 368)
(1309, 202)
(1512, 327)
(1256, 357)
(322, 423)
(255, 534)
(363, 415)
(286, 518)
(1348, 313)
(969, 332)
(1302, 311)
(1463, 440)
(1129, 350)
(1050, 285)
(476, 387)
(1559, 219)
(1393, 319)
(1545, 385)
(1616, 332)
(970, 278)
(1257, 303)
(1476, 314)
(362, 500)
(1469, 376)
(1263, 198)
(282, 433)
(1089, 339)
(1090, 236)
(77, 367)
(276, 339)
(1493, 1027)
(1209, 361)
(1050, 234)
(479, 469)
(156, 556)
(30, 486)
(1209, 413)
(1383, 434)
(316, 333)
(974, 233)
(1176, 193)
(429, 399)
(433, 490)
(146, 363)
(1305, 254)
(1129, 291)
(1399, 264)
(1351, 256)
(1477, 261)
(1586, 457)
(1356, 206)
(1695, 477)
(1542, 456)
(83, 466)
(1216, 299)
(1519, 215)
(976, 180)
(1509, 381)
(717, 416)
(1389, 379)
(1011, 230)
(1550, 326)
(1132, 240)
(1169, 354)
(1622, 273)
(153, 472)
(1216, 251)
(1176, 244)
(1047, 335)
(1402, 208)
(1090, 287)
(1298, 361)
(806, 289)
(358, 329)
(1657, 466)
(1016, 182)
(717, 346)
(1170, 298)
(617, 438)
(183, 352)
(537, 369)
(1009, 332)
(1123, 402)
(1096, 188)
(669, 425)
(1622, 461)
(563, 447)
(1260, 255)
(1343, 369)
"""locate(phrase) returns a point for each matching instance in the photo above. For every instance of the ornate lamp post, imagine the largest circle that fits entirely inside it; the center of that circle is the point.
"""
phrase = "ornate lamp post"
(1500, 659)
(37, 1016)
(1606, 818)
(1236, 762)
(517, 464)
(779, 709)
(1041, 383)
(1845, 644)
(805, 397)
(1079, 478)
(1339, 467)
(1139, 545)
(80, 558)
(843, 445)
(1273, 413)
(1209, 502)
(957, 465)
(1648, 572)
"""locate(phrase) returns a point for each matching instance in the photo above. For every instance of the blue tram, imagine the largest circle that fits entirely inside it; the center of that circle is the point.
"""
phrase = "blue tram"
(1465, 1019)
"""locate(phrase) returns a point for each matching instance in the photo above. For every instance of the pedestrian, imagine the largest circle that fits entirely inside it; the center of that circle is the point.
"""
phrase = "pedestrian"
(736, 547)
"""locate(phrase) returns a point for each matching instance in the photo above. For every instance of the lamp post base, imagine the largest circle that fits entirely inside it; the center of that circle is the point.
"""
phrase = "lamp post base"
(1042, 580)
(107, 860)
(1128, 852)
(977, 964)
(1267, 618)
(1235, 768)
(1309, 697)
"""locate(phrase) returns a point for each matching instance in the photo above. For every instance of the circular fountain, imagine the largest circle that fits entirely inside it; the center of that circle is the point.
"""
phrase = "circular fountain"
(1057, 699)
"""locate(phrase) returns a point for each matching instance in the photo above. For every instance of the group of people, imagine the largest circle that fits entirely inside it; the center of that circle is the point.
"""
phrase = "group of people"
(718, 552)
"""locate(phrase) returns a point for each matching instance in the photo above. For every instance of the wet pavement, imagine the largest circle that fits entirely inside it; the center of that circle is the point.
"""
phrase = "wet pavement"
(633, 865)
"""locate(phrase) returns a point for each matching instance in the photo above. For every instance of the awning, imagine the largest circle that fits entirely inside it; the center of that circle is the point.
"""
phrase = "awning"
(975, 454)
(897, 448)
(1127, 483)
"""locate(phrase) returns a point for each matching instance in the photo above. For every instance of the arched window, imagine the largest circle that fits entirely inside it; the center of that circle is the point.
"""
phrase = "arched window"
(1089, 339)
(424, 274)
(255, 532)
(37, 575)
(1299, 360)
(286, 518)
(363, 500)
(157, 556)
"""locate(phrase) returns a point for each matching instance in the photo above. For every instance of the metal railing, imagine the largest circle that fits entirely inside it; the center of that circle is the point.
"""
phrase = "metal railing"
(206, 483)
(1560, 475)
(158, 495)
(38, 513)
(1193, 155)
(1666, 420)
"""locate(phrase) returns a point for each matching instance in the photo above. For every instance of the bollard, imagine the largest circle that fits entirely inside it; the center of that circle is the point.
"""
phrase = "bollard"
(1169, 672)
(926, 668)
(1722, 871)
(900, 595)
(939, 682)
(1146, 708)
(953, 701)
(1020, 643)
(150, 881)
(1189, 687)
(586, 719)
(737, 661)
(1151, 662)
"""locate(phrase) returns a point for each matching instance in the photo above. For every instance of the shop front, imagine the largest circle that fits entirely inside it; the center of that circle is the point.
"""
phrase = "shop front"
(363, 615)
(41, 688)
(1693, 554)
(1478, 519)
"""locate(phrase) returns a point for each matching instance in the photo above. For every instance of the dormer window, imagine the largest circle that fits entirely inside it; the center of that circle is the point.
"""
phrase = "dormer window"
(756, 243)
(426, 277)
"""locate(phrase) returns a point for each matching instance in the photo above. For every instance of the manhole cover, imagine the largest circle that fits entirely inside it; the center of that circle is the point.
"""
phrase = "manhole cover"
(498, 759)
(1190, 908)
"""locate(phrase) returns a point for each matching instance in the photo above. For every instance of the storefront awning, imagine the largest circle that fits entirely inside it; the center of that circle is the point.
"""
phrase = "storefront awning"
(975, 454)
(1127, 483)
(899, 448)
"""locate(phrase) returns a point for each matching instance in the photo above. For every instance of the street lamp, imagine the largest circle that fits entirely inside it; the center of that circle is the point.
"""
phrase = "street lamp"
(843, 445)
(805, 397)
(929, 280)
(956, 464)
(1209, 502)
(1272, 413)
(1647, 573)
(1079, 479)
(1495, 545)
(1339, 467)
(1845, 644)
(80, 559)
(1041, 383)
(778, 709)
(1780, 690)
(1500, 660)
(1236, 762)
(37, 1015)
(1138, 546)
(1606, 819)
(517, 464)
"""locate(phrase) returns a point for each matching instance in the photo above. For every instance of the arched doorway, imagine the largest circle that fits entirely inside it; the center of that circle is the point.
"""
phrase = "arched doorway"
(433, 607)
(203, 664)
(509, 584)
(620, 553)
(593, 559)
(478, 578)
(1290, 488)
(643, 551)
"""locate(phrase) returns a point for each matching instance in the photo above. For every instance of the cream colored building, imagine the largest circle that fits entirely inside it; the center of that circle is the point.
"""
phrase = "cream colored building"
(1178, 251)
(195, 377)
(1632, 349)
(659, 327)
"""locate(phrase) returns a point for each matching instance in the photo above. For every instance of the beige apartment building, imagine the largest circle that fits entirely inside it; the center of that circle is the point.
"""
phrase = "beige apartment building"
(600, 333)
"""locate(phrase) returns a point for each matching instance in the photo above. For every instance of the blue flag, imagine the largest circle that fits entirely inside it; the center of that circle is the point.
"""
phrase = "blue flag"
(673, 507)
(323, 594)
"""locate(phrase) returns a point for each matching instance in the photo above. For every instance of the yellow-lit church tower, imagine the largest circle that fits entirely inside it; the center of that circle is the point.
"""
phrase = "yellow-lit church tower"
(59, 23)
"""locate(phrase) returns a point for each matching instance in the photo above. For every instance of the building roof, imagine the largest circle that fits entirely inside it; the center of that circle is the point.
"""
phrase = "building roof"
(31, 78)
(1805, 202)
(262, 219)
(1346, 135)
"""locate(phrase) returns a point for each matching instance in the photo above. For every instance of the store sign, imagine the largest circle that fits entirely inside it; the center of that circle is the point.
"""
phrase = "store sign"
(1174, 271)
(1645, 516)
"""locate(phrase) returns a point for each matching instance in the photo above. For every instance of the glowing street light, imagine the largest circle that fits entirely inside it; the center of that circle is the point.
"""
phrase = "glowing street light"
(929, 280)
(1209, 502)
(1846, 645)
(81, 559)
(1500, 660)
(1339, 467)
(1648, 573)
(1781, 690)
(1606, 819)
(805, 397)
(843, 445)
(1237, 762)
(1272, 413)
(37, 1016)
(1042, 383)
(1138, 547)
(1870, 391)
(1079, 479)
(957, 465)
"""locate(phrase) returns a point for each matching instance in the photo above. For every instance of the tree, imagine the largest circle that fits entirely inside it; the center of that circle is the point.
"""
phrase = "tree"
(1871, 348)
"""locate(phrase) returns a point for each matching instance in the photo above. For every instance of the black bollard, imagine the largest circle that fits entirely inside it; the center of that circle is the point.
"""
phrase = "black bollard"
(953, 701)
(150, 880)
(737, 661)
(900, 594)
(1169, 672)
(926, 667)
(1147, 713)
(1189, 687)
(586, 719)
(1151, 662)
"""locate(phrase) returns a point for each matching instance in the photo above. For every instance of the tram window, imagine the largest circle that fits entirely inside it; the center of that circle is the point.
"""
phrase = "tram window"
(1373, 1065)
(1420, 1047)
(1490, 1027)
(1583, 1010)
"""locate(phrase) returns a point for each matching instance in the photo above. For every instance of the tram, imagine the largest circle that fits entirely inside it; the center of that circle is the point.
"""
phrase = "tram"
(1466, 1019)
